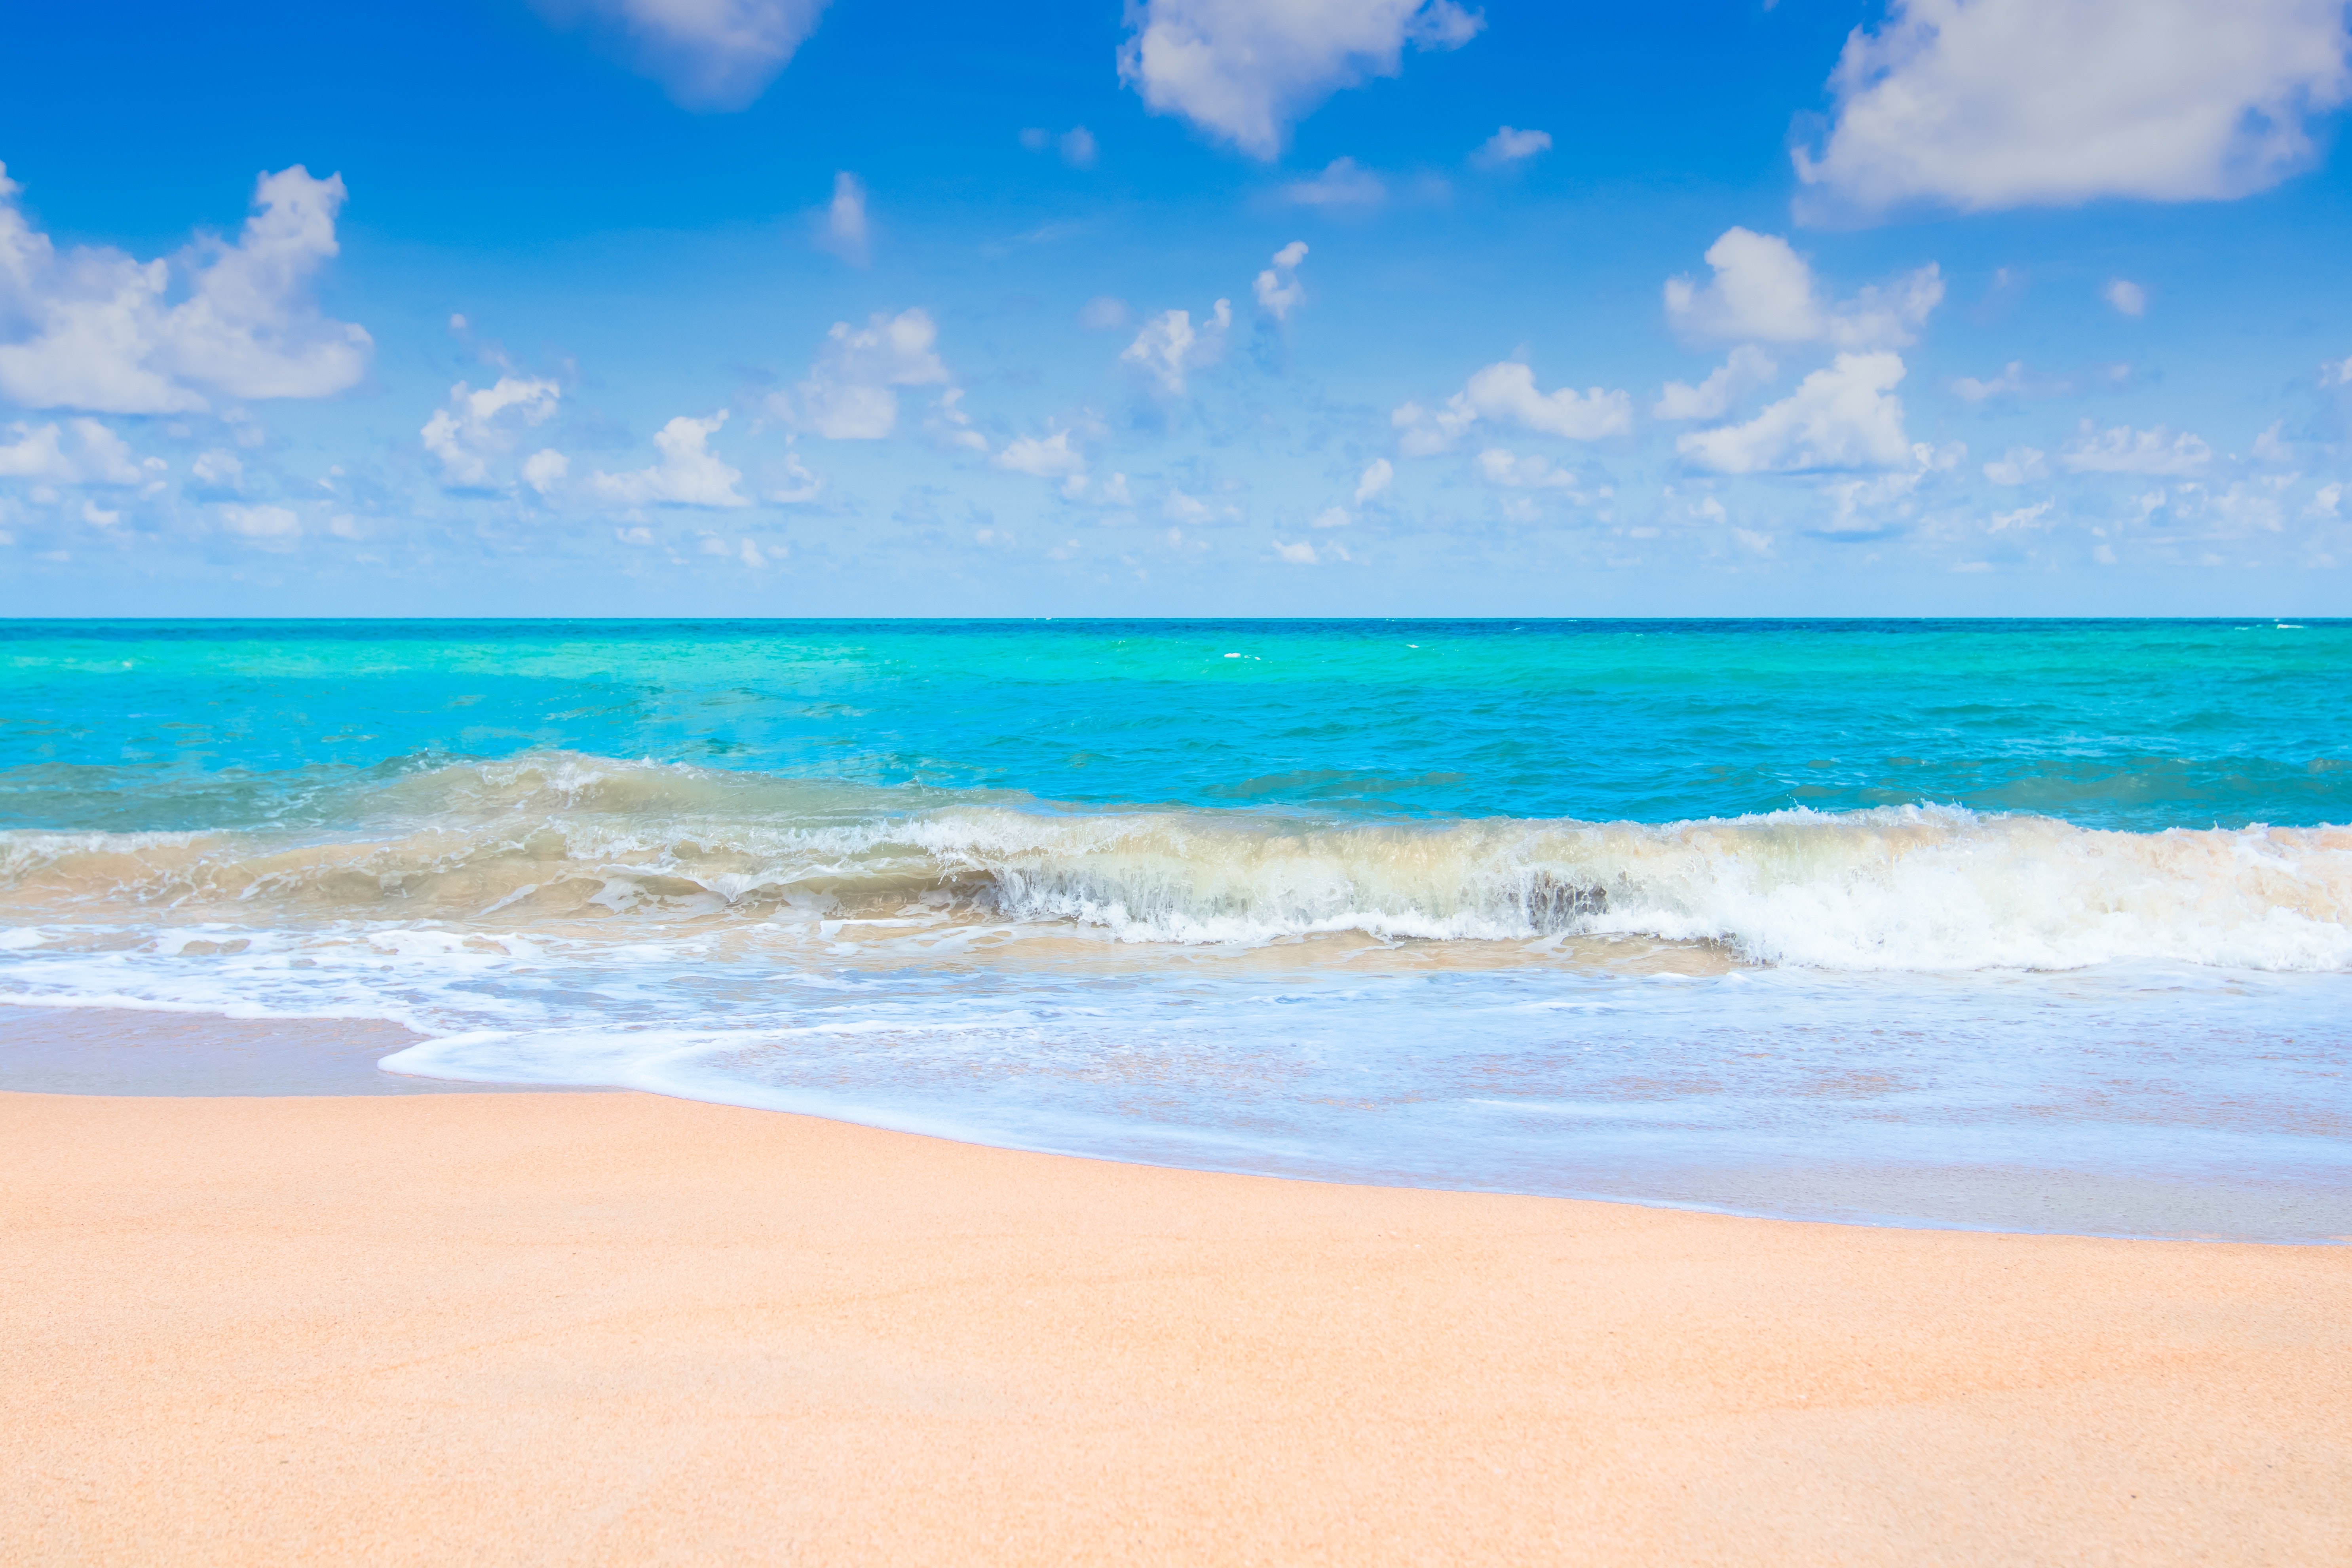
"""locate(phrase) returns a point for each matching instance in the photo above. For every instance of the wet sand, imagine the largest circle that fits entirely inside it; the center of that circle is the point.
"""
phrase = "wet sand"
(616, 1328)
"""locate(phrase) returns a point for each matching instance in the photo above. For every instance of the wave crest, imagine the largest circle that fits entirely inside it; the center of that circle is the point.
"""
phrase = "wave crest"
(557, 838)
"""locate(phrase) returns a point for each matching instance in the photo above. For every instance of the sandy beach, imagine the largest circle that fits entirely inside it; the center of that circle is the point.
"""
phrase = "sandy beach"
(618, 1328)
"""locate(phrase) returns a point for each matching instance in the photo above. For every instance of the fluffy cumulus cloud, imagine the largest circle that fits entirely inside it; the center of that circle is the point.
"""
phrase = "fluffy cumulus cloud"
(1302, 552)
(949, 426)
(1748, 368)
(545, 468)
(1984, 104)
(708, 54)
(218, 470)
(1499, 466)
(1047, 456)
(1278, 289)
(1245, 71)
(851, 393)
(1378, 476)
(1506, 394)
(2124, 450)
(1170, 345)
(1762, 291)
(1343, 183)
(78, 452)
(477, 427)
(1509, 145)
(90, 328)
(689, 473)
(1843, 416)
(2010, 382)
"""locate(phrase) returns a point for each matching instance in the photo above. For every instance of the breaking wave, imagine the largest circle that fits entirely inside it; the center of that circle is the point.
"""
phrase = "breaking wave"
(557, 839)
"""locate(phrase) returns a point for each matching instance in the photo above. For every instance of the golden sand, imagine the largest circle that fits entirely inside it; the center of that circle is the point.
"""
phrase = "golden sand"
(620, 1329)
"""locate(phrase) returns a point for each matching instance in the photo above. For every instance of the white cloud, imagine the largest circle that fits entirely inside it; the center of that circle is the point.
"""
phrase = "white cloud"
(98, 516)
(1983, 104)
(1422, 432)
(1047, 456)
(846, 233)
(1110, 494)
(2022, 519)
(1245, 71)
(2010, 380)
(219, 469)
(2270, 448)
(1762, 291)
(1169, 346)
(545, 468)
(801, 485)
(1331, 517)
(1500, 467)
(1194, 510)
(1343, 183)
(261, 523)
(1845, 417)
(950, 426)
(1748, 368)
(2244, 507)
(1185, 508)
(2124, 450)
(744, 549)
(89, 328)
(708, 54)
(1509, 146)
(689, 473)
(469, 434)
(1378, 476)
(1305, 553)
(1278, 289)
(849, 396)
(2127, 297)
(1505, 393)
(2336, 373)
(39, 453)
(1871, 504)
(2017, 466)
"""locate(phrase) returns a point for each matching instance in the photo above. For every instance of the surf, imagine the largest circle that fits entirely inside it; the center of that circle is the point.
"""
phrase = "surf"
(584, 843)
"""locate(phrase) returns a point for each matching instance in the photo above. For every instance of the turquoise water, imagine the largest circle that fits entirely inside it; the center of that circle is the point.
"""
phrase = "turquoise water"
(2017, 924)
(2109, 724)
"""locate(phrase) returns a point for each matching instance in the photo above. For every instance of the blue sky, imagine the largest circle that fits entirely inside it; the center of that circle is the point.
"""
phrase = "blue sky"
(768, 307)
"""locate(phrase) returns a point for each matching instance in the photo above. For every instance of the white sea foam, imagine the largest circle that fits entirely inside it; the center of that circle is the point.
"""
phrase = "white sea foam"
(559, 843)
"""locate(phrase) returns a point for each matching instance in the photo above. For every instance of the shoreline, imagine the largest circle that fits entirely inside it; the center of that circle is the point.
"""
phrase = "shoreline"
(616, 1326)
(129, 1052)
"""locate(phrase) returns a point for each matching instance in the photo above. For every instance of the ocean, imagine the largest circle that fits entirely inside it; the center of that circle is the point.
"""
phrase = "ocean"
(2010, 924)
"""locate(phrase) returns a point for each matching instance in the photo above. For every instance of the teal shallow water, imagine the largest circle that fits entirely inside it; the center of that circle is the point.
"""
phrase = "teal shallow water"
(2013, 924)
